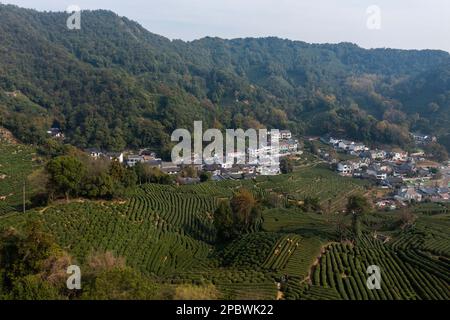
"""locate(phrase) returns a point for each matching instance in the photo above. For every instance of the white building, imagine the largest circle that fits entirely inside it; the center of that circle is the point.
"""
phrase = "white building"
(169, 168)
(400, 156)
(344, 168)
(381, 175)
(94, 153)
(55, 133)
(288, 146)
(378, 154)
(268, 170)
(132, 160)
(115, 156)
(263, 151)
(347, 145)
(285, 134)
(357, 147)
(334, 141)
(408, 194)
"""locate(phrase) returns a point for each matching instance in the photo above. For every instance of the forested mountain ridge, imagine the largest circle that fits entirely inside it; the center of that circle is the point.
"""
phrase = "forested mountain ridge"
(113, 84)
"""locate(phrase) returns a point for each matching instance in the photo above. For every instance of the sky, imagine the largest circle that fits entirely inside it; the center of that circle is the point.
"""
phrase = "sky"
(405, 24)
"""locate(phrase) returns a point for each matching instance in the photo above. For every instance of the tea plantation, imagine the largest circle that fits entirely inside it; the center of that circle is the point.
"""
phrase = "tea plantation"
(17, 162)
(168, 232)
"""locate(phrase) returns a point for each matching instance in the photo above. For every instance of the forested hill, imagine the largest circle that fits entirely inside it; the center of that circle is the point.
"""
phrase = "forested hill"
(114, 84)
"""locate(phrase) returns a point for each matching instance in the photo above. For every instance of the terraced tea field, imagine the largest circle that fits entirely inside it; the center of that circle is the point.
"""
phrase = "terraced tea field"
(407, 274)
(250, 251)
(432, 208)
(306, 224)
(168, 231)
(16, 163)
(146, 245)
(320, 182)
(430, 234)
(170, 210)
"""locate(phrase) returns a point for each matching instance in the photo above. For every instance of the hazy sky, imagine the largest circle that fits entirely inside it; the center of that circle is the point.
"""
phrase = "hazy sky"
(407, 24)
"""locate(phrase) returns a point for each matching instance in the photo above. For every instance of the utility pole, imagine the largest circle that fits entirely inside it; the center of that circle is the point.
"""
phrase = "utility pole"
(23, 196)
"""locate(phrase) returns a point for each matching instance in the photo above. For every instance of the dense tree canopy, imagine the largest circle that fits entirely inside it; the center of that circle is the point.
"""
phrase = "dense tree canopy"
(238, 216)
(66, 174)
(113, 84)
(78, 175)
(357, 206)
(33, 267)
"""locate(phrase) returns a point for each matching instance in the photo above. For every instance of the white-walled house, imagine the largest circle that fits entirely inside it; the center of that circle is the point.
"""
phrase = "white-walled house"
(334, 141)
(344, 168)
(400, 156)
(408, 194)
(268, 170)
(285, 134)
(170, 167)
(344, 145)
(115, 156)
(357, 147)
(378, 154)
(55, 133)
(94, 153)
(381, 175)
(287, 146)
(132, 160)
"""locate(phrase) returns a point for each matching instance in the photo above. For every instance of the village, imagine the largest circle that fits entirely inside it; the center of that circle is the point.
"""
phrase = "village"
(217, 171)
(405, 177)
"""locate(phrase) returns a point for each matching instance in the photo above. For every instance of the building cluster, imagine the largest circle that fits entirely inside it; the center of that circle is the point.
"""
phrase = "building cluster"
(407, 176)
(346, 145)
(55, 133)
(423, 139)
(263, 163)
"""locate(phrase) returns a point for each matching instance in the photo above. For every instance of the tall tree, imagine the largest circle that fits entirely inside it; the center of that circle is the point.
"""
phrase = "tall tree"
(242, 205)
(357, 206)
(65, 175)
(286, 165)
(224, 222)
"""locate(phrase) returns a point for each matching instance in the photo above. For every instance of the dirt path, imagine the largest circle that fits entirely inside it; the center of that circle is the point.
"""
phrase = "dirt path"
(323, 249)
(44, 209)
(280, 295)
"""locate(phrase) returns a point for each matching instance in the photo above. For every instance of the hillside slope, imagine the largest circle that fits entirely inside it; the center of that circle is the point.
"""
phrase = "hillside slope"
(114, 84)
